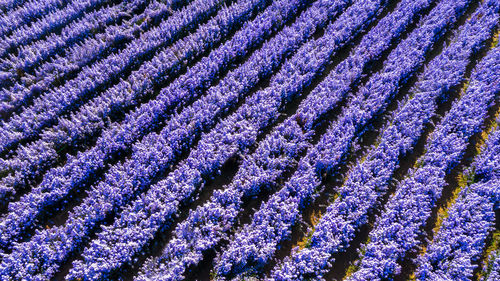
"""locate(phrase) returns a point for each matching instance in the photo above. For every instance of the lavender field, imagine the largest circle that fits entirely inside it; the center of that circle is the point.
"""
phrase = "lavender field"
(250, 140)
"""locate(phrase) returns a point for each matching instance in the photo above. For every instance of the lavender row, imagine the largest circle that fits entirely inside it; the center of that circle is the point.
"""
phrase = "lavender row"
(460, 241)
(118, 186)
(27, 12)
(30, 56)
(367, 182)
(164, 66)
(90, 80)
(82, 54)
(26, 34)
(144, 217)
(417, 194)
(16, 220)
(493, 270)
(8, 5)
(206, 226)
(488, 161)
(256, 243)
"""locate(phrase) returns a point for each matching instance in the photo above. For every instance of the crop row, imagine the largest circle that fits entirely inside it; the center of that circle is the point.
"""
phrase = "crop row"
(27, 12)
(49, 24)
(461, 240)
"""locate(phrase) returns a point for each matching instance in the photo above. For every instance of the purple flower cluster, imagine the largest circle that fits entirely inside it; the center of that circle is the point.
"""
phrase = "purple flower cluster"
(460, 242)
(487, 163)
(493, 272)
(398, 229)
(368, 180)
(34, 158)
(8, 5)
(61, 181)
(27, 12)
